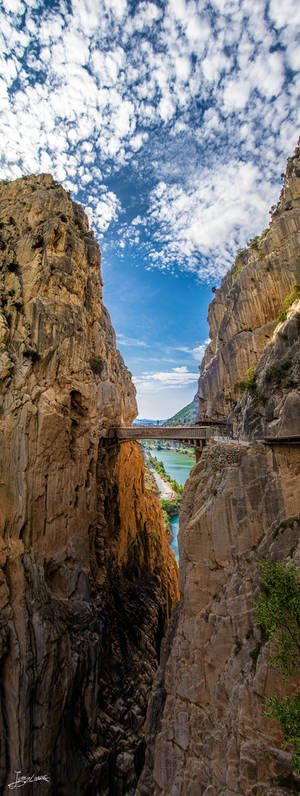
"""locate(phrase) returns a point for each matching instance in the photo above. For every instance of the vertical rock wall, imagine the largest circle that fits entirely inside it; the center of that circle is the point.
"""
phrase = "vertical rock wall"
(206, 732)
(87, 580)
(207, 735)
(244, 313)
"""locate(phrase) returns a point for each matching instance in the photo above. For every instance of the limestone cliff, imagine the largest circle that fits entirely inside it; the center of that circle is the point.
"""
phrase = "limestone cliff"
(271, 407)
(87, 580)
(244, 313)
(206, 732)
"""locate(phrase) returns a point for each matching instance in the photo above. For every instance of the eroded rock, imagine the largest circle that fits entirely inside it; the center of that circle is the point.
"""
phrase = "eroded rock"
(87, 579)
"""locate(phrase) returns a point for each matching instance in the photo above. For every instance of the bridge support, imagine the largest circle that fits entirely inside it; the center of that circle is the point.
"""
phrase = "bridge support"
(198, 445)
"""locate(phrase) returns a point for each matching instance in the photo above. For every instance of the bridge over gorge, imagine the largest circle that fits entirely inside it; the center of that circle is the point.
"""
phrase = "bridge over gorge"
(196, 435)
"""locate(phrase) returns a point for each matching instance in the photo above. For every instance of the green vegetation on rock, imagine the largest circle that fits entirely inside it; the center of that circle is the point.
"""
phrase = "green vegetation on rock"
(249, 381)
(277, 611)
(288, 301)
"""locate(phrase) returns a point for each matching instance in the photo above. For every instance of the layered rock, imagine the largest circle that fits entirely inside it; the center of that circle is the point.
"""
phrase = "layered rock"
(272, 406)
(244, 313)
(87, 577)
(206, 730)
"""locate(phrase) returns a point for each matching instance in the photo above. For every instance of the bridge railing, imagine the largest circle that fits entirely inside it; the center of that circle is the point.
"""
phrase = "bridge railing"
(176, 433)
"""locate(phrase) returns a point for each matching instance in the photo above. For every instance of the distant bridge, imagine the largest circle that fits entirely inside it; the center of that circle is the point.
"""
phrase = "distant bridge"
(196, 436)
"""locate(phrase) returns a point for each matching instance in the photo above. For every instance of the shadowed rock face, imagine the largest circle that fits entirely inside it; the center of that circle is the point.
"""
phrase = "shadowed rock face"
(87, 581)
(210, 736)
(244, 313)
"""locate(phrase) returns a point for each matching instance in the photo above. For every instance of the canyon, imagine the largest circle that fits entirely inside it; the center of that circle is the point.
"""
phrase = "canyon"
(88, 580)
(206, 732)
(88, 584)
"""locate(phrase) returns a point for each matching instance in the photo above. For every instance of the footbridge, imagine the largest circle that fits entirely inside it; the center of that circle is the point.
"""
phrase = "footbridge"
(196, 435)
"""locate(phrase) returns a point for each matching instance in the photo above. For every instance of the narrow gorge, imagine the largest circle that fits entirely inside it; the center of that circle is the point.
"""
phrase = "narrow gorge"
(206, 732)
(88, 584)
(88, 581)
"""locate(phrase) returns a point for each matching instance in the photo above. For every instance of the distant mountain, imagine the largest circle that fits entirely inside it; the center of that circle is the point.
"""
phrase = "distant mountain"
(186, 416)
(145, 422)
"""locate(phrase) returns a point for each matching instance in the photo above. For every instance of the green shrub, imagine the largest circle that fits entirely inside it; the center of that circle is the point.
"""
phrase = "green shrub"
(277, 611)
(286, 710)
(293, 296)
(97, 364)
(278, 372)
(264, 233)
(282, 316)
(250, 385)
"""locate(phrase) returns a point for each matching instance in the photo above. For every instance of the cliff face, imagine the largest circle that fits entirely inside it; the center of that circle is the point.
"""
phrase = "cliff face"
(244, 313)
(87, 580)
(272, 406)
(206, 732)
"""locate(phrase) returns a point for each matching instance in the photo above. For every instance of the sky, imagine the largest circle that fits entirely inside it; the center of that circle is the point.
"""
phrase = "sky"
(170, 121)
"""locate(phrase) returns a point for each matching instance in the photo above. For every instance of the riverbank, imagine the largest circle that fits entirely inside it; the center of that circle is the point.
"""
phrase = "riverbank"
(177, 467)
(165, 491)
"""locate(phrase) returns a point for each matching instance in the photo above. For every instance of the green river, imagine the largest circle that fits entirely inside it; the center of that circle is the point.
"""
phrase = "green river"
(178, 466)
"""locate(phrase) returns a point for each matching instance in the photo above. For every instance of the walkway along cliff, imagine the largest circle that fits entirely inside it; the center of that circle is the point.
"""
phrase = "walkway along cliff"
(87, 579)
(206, 733)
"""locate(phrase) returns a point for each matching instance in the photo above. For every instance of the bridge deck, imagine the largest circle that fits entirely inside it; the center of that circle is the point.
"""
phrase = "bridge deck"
(177, 433)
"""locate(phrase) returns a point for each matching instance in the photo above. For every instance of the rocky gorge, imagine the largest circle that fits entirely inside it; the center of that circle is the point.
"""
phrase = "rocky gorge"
(88, 584)
(87, 579)
(206, 731)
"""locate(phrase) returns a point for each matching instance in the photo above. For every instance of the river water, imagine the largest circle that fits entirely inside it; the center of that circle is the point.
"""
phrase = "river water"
(178, 466)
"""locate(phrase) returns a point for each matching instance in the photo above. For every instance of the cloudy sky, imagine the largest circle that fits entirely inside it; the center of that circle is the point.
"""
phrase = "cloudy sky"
(170, 121)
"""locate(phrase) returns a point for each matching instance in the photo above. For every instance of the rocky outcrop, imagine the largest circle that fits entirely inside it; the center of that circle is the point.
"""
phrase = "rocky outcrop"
(272, 406)
(87, 580)
(244, 312)
(206, 730)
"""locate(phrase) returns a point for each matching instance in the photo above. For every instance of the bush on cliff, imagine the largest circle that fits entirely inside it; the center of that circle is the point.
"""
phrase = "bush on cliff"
(277, 610)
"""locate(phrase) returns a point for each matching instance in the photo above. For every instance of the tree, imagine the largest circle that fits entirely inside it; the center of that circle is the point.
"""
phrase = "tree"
(277, 610)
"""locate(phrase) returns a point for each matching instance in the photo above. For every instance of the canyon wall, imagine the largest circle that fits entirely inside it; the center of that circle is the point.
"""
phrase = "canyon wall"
(87, 579)
(206, 732)
(244, 312)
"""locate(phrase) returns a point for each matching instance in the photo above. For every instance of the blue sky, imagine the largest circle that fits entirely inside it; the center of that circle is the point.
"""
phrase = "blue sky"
(170, 122)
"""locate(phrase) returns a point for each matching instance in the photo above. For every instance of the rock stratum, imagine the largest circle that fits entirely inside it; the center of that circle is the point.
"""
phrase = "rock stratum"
(206, 732)
(244, 313)
(87, 579)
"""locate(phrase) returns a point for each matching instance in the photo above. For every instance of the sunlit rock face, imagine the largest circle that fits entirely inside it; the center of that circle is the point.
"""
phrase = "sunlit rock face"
(244, 312)
(87, 580)
(206, 732)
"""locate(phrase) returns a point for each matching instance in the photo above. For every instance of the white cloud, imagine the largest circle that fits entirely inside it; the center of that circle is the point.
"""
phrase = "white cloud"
(160, 380)
(123, 340)
(113, 80)
(284, 13)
